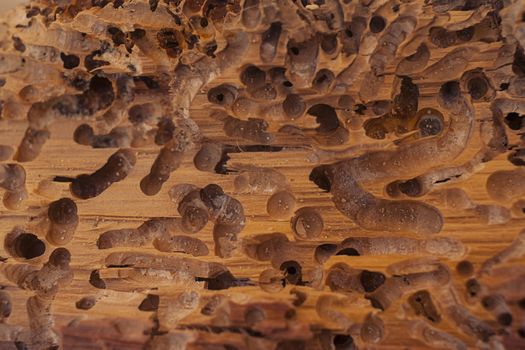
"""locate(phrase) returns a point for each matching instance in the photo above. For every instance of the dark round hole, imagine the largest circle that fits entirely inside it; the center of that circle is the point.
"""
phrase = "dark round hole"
(96, 281)
(62, 211)
(377, 24)
(221, 95)
(290, 314)
(252, 76)
(477, 87)
(376, 304)
(518, 65)
(326, 116)
(521, 332)
(287, 83)
(204, 22)
(488, 302)
(514, 121)
(342, 340)
(430, 126)
(28, 246)
(504, 86)
(473, 287)
(411, 188)
(360, 109)
(348, 252)
(371, 280)
(69, 61)
(319, 176)
(294, 50)
(321, 78)
(505, 319)
(329, 43)
(450, 90)
(20, 345)
(293, 271)
(465, 268)
(85, 303)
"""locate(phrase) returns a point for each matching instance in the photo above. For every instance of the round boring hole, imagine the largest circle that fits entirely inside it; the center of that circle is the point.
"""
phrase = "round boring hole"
(465, 268)
(514, 121)
(348, 252)
(377, 24)
(29, 246)
(477, 87)
(341, 341)
(449, 90)
(505, 319)
(293, 271)
(411, 188)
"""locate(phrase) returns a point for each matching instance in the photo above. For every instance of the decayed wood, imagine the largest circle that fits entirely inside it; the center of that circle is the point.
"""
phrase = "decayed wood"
(262, 175)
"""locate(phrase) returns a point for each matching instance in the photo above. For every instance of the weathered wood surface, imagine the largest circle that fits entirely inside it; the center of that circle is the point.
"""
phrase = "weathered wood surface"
(115, 322)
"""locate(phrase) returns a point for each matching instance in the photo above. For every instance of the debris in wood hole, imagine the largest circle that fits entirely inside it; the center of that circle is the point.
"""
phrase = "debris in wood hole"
(85, 303)
(299, 297)
(473, 287)
(423, 304)
(465, 268)
(96, 281)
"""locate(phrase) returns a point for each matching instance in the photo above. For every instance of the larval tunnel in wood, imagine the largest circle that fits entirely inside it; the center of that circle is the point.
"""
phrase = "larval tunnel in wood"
(262, 175)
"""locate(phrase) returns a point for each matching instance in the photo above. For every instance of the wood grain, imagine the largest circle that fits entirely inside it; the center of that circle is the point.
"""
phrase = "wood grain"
(115, 322)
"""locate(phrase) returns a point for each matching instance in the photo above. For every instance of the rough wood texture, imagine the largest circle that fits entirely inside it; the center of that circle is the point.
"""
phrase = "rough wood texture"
(376, 202)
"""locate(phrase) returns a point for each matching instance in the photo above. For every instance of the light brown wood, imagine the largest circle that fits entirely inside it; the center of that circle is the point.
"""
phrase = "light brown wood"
(115, 322)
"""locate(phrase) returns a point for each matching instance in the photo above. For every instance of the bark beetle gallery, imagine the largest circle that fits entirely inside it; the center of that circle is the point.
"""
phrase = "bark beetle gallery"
(262, 175)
